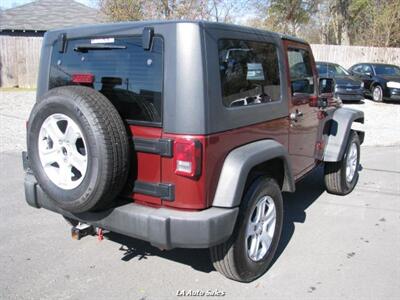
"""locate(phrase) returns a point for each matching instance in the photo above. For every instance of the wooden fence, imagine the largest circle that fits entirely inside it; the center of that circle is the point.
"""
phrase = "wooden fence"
(19, 61)
(19, 58)
(350, 55)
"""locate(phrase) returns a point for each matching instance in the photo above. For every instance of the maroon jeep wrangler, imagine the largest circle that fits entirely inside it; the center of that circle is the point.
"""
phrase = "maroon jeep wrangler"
(184, 134)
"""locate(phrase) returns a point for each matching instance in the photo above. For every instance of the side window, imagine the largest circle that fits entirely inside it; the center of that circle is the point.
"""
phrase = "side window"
(367, 69)
(358, 69)
(301, 75)
(249, 72)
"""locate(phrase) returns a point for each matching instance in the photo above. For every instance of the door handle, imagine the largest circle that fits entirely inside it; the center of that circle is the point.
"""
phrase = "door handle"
(294, 116)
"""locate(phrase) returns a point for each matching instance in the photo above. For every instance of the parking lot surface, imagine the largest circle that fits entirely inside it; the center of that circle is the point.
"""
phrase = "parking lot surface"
(382, 120)
(332, 247)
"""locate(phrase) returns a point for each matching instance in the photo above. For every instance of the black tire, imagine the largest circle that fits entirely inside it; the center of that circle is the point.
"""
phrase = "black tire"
(380, 90)
(335, 172)
(107, 147)
(231, 258)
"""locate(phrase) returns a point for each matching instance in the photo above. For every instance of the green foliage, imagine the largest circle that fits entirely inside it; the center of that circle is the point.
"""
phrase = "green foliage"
(287, 15)
(366, 22)
(351, 22)
(122, 10)
(214, 10)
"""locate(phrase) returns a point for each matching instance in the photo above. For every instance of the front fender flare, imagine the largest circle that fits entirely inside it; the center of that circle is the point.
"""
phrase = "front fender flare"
(339, 132)
(238, 164)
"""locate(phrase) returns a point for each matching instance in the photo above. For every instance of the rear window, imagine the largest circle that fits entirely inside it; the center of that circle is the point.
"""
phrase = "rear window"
(249, 72)
(130, 77)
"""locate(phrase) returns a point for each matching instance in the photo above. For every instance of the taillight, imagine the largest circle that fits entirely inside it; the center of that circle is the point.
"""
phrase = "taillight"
(187, 157)
(83, 78)
(313, 101)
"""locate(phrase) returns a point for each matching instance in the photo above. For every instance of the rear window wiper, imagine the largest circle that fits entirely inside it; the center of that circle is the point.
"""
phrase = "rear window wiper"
(87, 47)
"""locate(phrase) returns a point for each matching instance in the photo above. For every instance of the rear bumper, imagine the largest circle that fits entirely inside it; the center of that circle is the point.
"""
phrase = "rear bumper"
(162, 227)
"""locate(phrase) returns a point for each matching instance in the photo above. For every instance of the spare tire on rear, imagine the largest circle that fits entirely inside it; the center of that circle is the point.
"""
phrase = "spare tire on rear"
(78, 148)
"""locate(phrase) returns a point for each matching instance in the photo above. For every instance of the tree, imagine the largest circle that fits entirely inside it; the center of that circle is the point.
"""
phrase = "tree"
(378, 24)
(211, 10)
(285, 16)
(361, 22)
(351, 22)
(122, 10)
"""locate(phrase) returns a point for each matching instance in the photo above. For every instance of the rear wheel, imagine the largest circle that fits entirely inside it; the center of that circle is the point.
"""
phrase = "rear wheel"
(341, 177)
(250, 250)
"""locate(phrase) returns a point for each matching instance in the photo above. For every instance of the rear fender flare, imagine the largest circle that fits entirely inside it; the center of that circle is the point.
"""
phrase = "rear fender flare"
(238, 164)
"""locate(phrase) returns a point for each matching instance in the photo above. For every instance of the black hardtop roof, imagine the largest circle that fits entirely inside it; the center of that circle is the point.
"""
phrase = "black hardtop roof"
(205, 24)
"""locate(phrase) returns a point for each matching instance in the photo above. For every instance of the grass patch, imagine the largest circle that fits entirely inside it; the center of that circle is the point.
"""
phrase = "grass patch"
(12, 89)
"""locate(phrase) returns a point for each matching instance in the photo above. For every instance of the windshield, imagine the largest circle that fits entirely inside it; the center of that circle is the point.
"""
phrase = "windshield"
(387, 70)
(331, 70)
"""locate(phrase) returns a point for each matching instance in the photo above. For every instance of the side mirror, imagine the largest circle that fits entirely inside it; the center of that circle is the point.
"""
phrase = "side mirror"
(326, 90)
(368, 74)
(326, 86)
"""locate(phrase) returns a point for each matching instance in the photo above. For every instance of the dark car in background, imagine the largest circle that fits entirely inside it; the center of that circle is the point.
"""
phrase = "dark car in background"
(381, 81)
(348, 87)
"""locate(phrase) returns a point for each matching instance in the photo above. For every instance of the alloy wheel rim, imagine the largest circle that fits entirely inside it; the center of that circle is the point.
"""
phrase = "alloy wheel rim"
(62, 151)
(377, 94)
(261, 228)
(351, 162)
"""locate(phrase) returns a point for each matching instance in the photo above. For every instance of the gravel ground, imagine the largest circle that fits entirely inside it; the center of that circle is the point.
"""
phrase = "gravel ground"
(382, 121)
(14, 112)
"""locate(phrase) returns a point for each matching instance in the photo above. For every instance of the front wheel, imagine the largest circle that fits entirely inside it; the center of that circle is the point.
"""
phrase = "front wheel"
(250, 250)
(377, 93)
(341, 177)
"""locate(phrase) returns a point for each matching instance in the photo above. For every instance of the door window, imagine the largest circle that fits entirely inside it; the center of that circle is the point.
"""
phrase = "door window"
(367, 69)
(358, 69)
(301, 74)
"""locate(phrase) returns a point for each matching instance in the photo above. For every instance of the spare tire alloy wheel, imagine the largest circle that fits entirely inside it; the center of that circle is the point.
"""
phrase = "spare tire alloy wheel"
(62, 151)
(78, 148)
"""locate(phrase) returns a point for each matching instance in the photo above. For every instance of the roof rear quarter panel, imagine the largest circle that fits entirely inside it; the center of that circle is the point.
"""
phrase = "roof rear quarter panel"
(221, 118)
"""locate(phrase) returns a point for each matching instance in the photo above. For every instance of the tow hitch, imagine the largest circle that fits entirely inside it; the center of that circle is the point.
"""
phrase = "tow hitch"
(81, 230)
